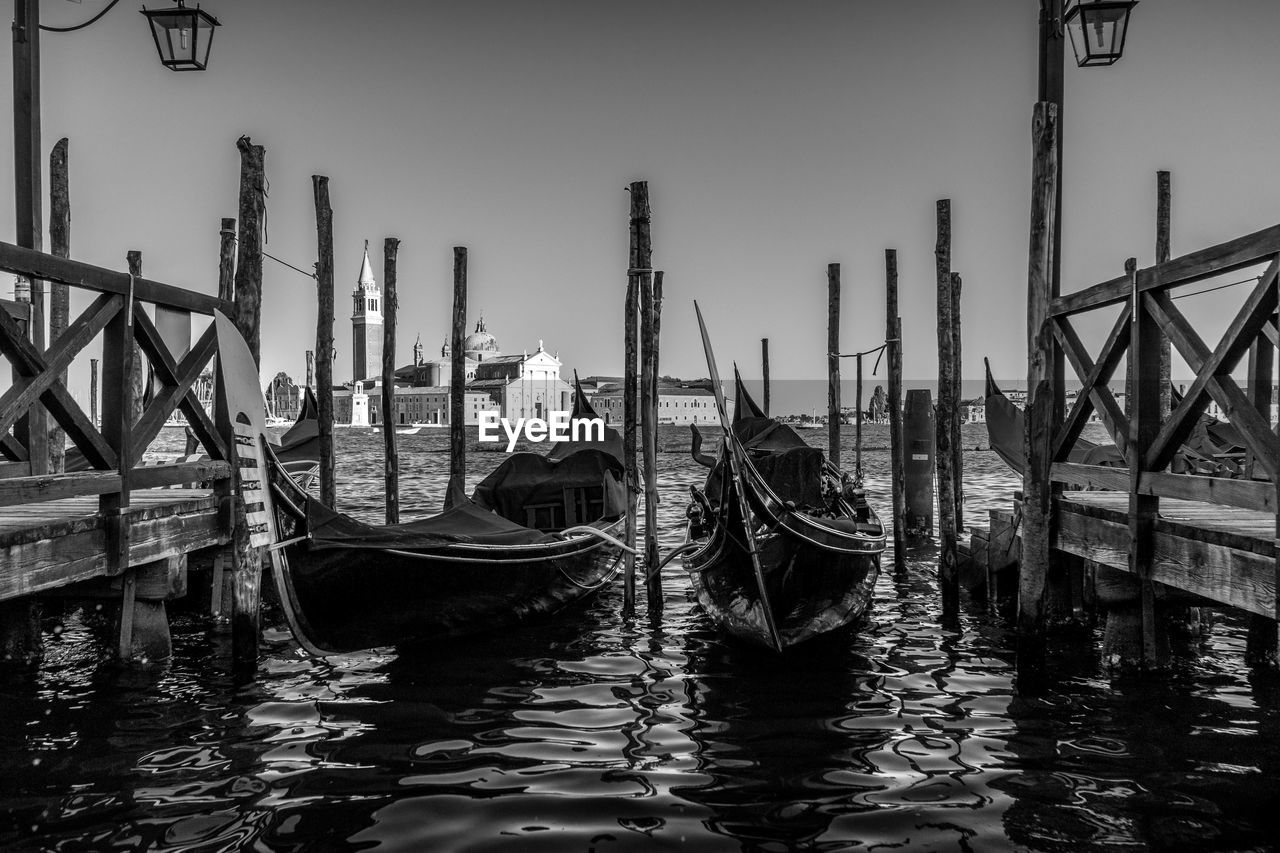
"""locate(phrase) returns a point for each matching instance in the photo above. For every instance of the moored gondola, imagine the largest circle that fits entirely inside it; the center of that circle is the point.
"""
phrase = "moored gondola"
(538, 535)
(470, 569)
(782, 546)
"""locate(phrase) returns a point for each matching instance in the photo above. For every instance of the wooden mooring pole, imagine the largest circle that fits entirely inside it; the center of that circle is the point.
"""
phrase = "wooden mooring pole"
(246, 599)
(639, 265)
(324, 337)
(893, 341)
(948, 570)
(1034, 572)
(227, 260)
(311, 369)
(650, 306)
(391, 462)
(957, 396)
(220, 584)
(457, 383)
(253, 206)
(59, 294)
(833, 364)
(764, 361)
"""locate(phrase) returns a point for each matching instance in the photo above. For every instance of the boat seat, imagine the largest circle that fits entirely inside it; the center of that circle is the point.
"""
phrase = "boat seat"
(578, 505)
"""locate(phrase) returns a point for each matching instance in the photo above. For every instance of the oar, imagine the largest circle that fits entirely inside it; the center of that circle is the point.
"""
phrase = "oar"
(735, 470)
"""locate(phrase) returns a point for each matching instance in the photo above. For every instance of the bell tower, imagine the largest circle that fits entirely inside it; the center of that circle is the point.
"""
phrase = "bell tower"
(366, 324)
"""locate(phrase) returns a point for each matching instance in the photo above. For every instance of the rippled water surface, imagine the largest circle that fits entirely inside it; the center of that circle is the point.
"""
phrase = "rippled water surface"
(597, 733)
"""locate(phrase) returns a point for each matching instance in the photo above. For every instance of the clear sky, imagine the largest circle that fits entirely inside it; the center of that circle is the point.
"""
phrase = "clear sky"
(775, 137)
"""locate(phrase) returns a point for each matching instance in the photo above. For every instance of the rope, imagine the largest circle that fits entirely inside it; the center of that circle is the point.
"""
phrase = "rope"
(599, 534)
(688, 546)
(309, 275)
(1219, 287)
(110, 6)
(856, 354)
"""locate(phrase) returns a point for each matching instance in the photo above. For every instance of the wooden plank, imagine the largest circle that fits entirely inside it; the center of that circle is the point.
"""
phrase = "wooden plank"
(43, 371)
(1216, 260)
(15, 469)
(176, 379)
(34, 264)
(49, 487)
(1246, 494)
(45, 564)
(1094, 394)
(1211, 379)
(1237, 578)
(53, 519)
(29, 362)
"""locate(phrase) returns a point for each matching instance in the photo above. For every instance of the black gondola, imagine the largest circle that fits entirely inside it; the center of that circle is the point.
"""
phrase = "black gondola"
(539, 534)
(806, 562)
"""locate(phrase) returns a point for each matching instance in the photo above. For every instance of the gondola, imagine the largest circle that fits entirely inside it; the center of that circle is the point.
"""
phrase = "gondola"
(538, 535)
(1213, 448)
(806, 562)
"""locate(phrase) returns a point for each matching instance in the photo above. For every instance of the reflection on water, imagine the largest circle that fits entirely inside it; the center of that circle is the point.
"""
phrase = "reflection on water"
(597, 733)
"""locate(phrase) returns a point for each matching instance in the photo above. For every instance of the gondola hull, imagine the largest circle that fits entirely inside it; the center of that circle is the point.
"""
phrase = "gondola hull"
(813, 591)
(360, 599)
(372, 590)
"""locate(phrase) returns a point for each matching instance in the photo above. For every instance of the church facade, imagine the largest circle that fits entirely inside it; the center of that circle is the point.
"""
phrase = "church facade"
(513, 386)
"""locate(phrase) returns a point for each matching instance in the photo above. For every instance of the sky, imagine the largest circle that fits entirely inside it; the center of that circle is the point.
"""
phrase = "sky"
(775, 138)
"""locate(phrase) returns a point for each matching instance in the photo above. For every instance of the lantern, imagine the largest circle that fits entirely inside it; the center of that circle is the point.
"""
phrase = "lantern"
(1097, 30)
(182, 36)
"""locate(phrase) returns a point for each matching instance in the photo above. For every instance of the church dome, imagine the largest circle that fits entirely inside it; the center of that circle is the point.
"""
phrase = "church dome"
(480, 344)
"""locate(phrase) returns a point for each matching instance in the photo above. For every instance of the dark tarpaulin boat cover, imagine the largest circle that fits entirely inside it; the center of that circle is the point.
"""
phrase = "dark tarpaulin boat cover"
(527, 479)
(465, 522)
(583, 410)
(791, 467)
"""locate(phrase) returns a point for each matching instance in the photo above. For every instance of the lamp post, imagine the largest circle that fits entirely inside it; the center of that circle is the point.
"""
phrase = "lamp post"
(187, 34)
(1098, 29)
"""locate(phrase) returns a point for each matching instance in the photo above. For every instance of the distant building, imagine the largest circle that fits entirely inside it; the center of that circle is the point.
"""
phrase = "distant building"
(513, 386)
(283, 396)
(366, 324)
(677, 404)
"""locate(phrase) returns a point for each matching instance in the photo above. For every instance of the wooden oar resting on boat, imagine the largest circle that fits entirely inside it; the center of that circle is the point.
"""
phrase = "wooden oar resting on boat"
(783, 547)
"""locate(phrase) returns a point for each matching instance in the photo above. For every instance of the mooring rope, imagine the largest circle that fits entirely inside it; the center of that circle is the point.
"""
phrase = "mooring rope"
(599, 534)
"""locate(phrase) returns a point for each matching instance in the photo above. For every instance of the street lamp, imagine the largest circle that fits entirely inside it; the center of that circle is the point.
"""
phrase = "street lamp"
(1097, 30)
(182, 36)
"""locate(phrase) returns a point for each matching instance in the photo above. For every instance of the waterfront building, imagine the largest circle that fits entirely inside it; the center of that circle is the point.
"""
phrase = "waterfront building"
(677, 404)
(366, 323)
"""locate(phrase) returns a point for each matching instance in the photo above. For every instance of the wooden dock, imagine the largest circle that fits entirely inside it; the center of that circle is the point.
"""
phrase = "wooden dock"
(47, 546)
(100, 524)
(1219, 556)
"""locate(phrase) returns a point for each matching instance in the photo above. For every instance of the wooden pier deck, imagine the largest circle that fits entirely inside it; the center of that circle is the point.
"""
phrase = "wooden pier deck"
(48, 545)
(1226, 556)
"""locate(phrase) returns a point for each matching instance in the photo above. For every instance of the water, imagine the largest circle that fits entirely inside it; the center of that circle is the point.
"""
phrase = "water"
(598, 733)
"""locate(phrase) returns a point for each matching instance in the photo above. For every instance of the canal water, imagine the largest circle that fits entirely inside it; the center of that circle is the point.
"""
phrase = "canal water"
(595, 733)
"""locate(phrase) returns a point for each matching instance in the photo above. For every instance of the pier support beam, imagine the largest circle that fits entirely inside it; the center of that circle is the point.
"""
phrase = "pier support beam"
(21, 645)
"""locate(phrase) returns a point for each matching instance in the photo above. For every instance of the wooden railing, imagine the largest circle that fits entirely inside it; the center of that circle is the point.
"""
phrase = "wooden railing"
(1149, 441)
(110, 455)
